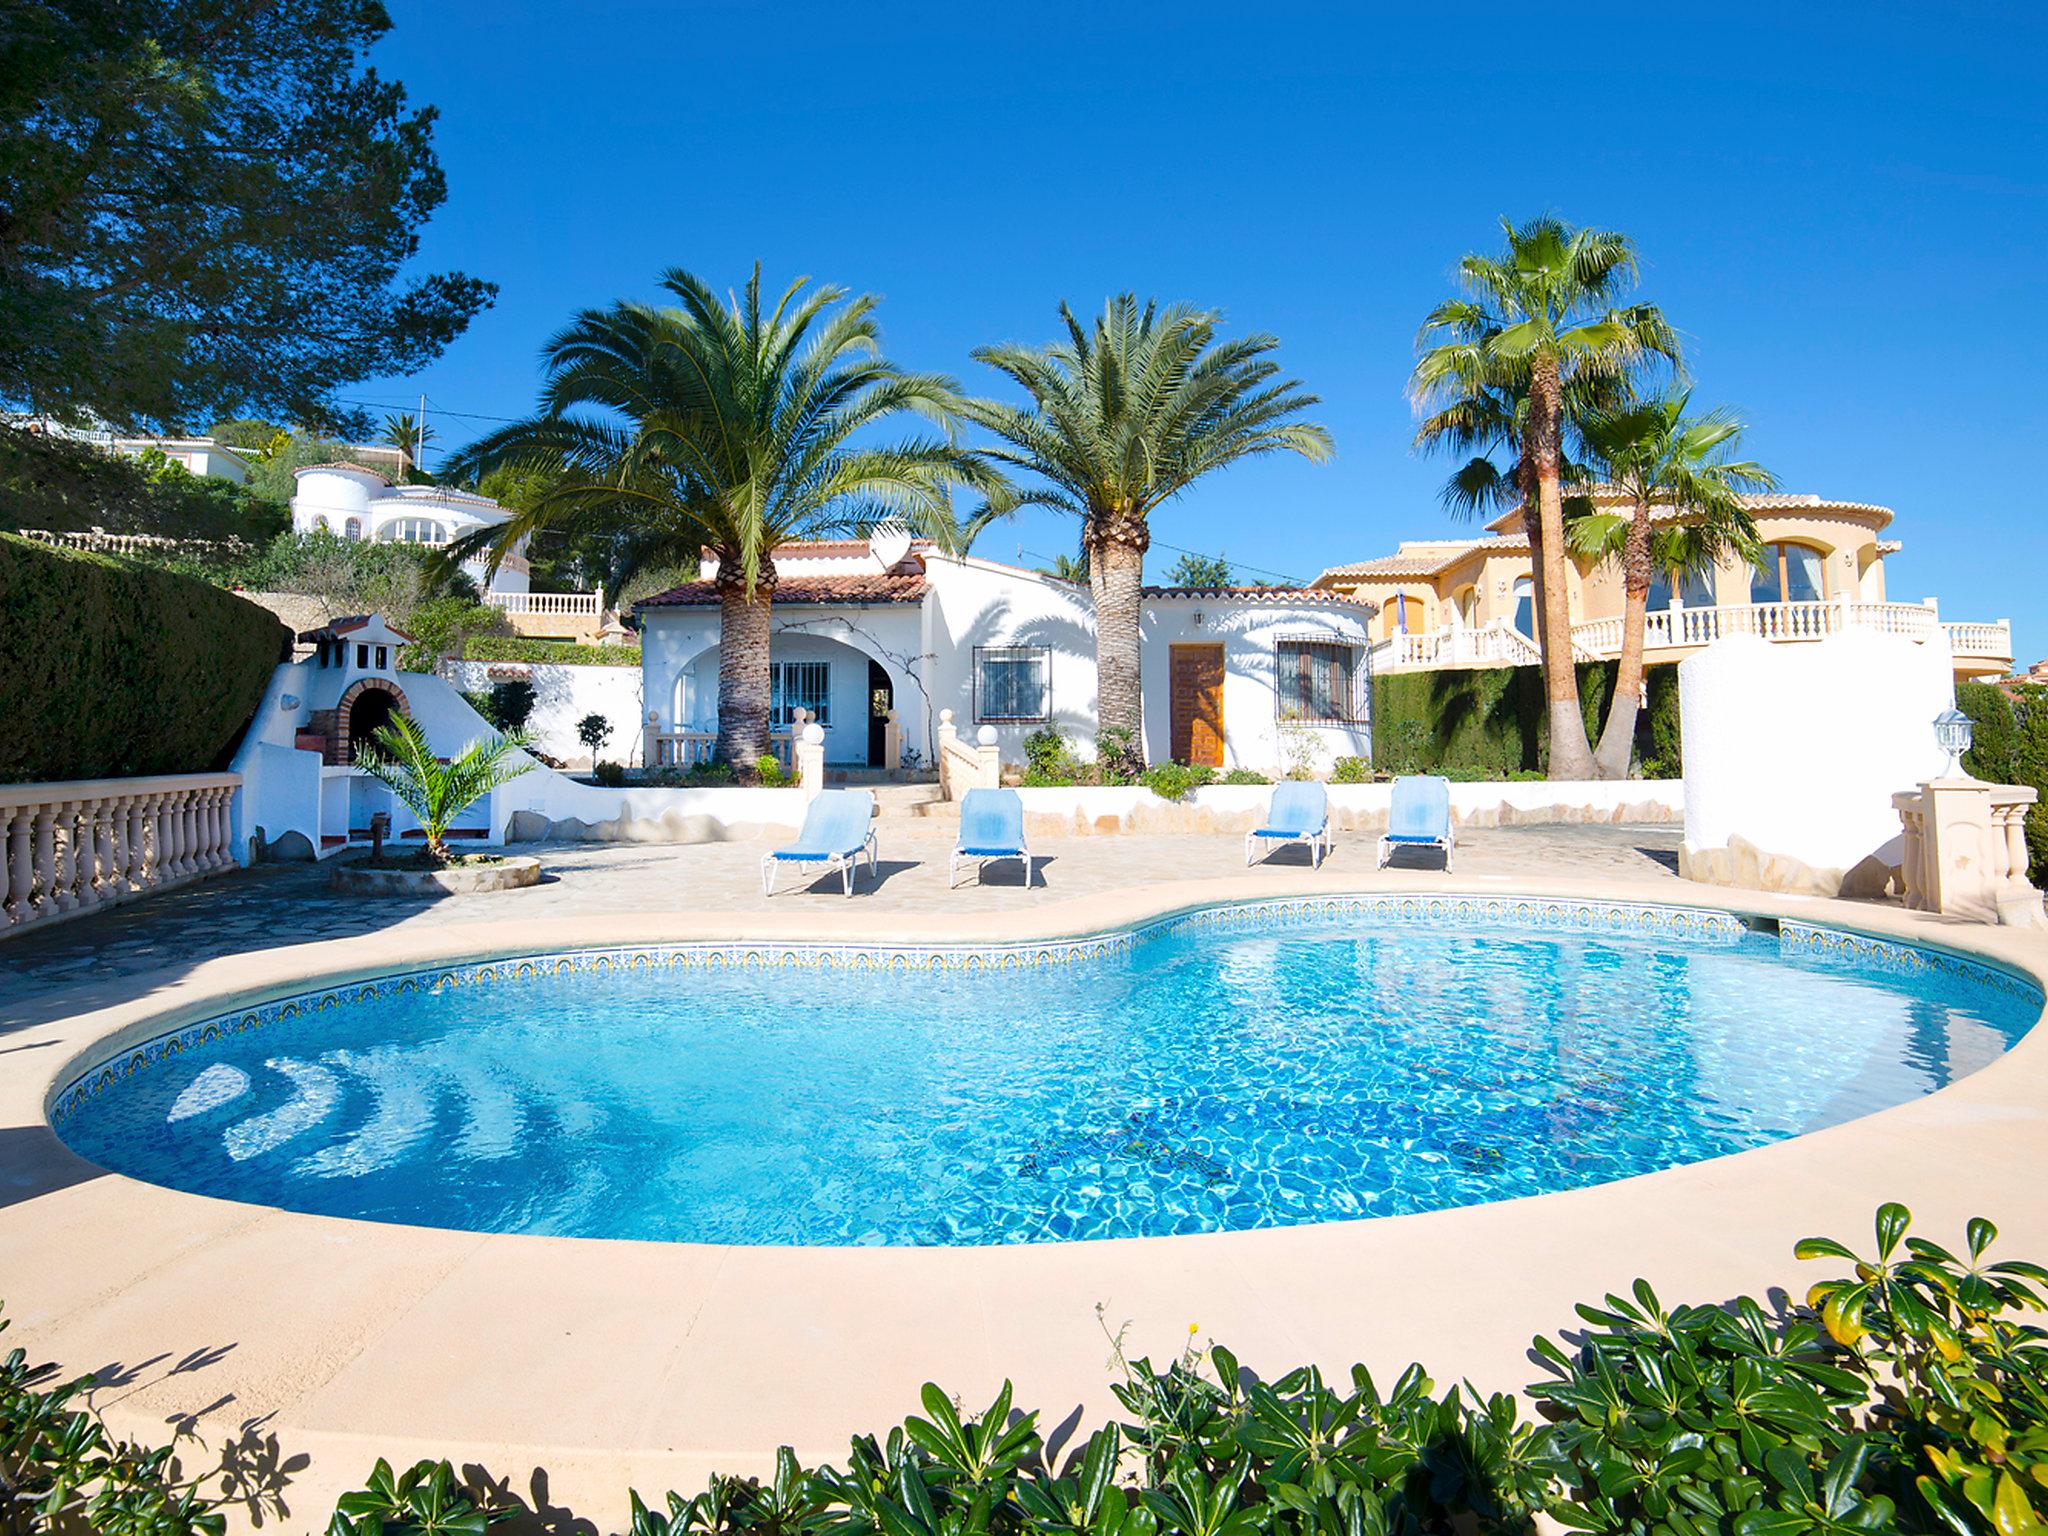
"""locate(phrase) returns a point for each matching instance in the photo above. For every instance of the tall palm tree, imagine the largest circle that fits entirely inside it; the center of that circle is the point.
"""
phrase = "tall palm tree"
(1539, 320)
(410, 436)
(1658, 456)
(717, 423)
(1124, 416)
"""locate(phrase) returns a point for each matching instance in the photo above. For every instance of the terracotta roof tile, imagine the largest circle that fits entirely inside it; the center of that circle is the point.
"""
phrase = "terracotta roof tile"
(1254, 594)
(866, 588)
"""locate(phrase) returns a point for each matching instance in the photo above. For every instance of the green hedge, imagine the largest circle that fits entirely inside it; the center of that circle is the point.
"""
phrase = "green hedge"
(1994, 735)
(110, 670)
(1488, 723)
(548, 652)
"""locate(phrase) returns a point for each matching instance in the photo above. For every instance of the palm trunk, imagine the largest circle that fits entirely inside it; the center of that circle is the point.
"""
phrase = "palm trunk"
(1618, 735)
(743, 691)
(1116, 564)
(1532, 525)
(1571, 755)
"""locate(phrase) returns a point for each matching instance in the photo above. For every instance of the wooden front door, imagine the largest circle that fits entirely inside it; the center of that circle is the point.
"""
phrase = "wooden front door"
(1196, 733)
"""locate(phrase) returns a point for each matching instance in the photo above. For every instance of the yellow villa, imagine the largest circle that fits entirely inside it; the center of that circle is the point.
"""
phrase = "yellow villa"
(1469, 603)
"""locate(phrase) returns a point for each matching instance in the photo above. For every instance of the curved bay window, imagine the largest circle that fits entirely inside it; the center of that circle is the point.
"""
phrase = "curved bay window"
(1789, 573)
(412, 530)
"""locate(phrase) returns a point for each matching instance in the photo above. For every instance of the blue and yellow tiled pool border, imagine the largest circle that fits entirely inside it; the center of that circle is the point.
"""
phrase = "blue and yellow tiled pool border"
(1662, 922)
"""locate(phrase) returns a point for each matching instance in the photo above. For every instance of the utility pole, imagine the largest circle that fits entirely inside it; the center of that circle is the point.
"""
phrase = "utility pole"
(421, 429)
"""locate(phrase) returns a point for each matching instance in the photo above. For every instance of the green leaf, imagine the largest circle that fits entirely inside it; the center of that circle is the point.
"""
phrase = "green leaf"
(1892, 1221)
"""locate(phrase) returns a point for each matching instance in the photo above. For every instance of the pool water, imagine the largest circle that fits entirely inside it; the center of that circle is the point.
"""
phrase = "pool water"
(1202, 1080)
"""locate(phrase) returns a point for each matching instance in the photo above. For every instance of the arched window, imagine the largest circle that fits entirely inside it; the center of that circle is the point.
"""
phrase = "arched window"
(1789, 573)
(1402, 615)
(1465, 606)
(352, 529)
(1525, 605)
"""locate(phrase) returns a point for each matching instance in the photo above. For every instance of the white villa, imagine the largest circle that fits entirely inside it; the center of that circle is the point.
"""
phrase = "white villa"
(1468, 602)
(359, 503)
(1241, 677)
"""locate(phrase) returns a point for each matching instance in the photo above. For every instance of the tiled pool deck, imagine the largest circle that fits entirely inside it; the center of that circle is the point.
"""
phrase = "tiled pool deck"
(603, 1364)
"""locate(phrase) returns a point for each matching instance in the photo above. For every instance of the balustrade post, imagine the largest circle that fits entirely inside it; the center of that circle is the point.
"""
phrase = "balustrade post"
(114, 871)
(136, 869)
(188, 830)
(174, 836)
(65, 842)
(105, 870)
(46, 861)
(85, 860)
(21, 869)
(223, 827)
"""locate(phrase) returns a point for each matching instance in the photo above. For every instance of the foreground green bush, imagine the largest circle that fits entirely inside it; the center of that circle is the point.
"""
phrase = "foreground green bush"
(110, 670)
(1909, 1395)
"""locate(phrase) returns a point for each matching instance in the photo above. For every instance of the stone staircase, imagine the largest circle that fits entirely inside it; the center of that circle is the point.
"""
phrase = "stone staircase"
(907, 806)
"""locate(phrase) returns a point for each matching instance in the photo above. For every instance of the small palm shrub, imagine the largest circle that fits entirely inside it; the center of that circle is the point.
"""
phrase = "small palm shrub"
(437, 792)
(1351, 770)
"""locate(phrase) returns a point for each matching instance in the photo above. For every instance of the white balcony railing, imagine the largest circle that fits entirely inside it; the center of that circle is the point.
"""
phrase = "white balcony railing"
(573, 605)
(77, 846)
(684, 747)
(1665, 629)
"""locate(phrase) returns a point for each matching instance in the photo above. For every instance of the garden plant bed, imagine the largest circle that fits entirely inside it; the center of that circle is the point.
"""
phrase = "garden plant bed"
(415, 874)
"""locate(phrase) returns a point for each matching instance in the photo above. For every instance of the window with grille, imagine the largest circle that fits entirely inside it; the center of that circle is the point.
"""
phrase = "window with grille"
(800, 685)
(1319, 680)
(1012, 682)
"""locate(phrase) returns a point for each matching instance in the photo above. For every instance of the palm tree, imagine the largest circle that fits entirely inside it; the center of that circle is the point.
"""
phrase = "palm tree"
(1538, 321)
(410, 436)
(1072, 568)
(1657, 456)
(1485, 419)
(1123, 417)
(437, 792)
(716, 423)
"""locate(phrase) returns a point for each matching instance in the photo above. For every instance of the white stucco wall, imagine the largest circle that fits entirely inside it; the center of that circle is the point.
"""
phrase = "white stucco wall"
(562, 696)
(1798, 749)
(679, 667)
(287, 791)
(1250, 632)
(929, 651)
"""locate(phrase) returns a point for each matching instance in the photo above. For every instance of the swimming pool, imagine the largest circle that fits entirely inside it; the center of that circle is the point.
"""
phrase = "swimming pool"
(1253, 1065)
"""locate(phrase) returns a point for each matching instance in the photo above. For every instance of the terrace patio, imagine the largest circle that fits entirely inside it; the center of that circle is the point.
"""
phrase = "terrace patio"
(573, 1368)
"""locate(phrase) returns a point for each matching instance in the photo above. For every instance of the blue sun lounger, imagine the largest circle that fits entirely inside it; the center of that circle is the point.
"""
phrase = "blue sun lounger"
(1420, 817)
(838, 829)
(991, 827)
(1299, 813)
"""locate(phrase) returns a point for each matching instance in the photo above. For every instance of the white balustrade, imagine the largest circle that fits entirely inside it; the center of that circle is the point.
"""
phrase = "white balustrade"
(1993, 640)
(962, 766)
(76, 847)
(695, 748)
(572, 605)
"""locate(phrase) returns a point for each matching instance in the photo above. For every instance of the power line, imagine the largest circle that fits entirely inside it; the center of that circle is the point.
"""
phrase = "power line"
(1291, 580)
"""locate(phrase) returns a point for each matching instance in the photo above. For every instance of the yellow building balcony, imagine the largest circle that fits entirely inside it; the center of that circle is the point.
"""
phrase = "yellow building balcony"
(1671, 634)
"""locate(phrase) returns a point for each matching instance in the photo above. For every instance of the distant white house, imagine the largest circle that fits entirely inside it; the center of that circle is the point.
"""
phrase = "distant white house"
(1240, 677)
(359, 503)
(199, 455)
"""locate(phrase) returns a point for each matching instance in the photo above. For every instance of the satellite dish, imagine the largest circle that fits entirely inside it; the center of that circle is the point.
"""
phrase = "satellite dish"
(889, 542)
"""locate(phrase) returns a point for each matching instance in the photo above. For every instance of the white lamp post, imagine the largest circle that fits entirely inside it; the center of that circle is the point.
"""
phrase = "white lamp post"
(1952, 731)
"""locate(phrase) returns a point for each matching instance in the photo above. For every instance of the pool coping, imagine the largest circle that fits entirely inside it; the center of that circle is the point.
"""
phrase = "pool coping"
(665, 1361)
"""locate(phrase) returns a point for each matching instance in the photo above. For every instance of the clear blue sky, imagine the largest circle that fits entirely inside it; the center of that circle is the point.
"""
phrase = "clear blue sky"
(1845, 209)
